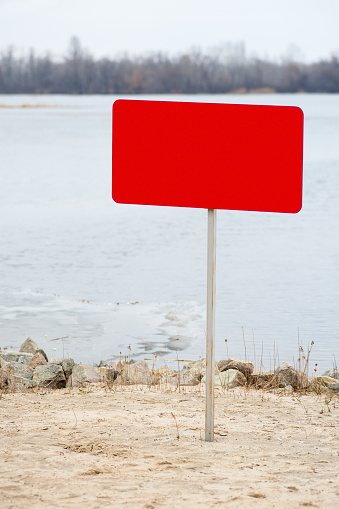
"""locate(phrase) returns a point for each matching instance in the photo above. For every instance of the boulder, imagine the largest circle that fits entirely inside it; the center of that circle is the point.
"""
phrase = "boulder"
(67, 365)
(51, 376)
(261, 379)
(165, 375)
(137, 373)
(83, 375)
(37, 360)
(287, 375)
(244, 367)
(29, 346)
(108, 374)
(40, 350)
(55, 360)
(333, 373)
(230, 378)
(331, 384)
(118, 365)
(197, 369)
(14, 356)
(3, 374)
(19, 376)
(184, 378)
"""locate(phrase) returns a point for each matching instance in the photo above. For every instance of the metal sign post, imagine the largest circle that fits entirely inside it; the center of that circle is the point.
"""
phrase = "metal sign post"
(210, 328)
(210, 156)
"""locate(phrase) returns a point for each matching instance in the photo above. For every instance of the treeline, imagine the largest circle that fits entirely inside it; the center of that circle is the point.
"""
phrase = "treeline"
(222, 71)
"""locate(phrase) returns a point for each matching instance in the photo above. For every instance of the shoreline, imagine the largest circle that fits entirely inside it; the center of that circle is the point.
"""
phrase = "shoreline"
(30, 368)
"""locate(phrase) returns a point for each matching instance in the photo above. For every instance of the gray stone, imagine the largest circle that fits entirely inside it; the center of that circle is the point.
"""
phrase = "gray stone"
(83, 375)
(333, 387)
(118, 365)
(287, 375)
(50, 375)
(244, 367)
(67, 365)
(230, 378)
(108, 374)
(184, 378)
(189, 377)
(333, 373)
(331, 384)
(3, 374)
(138, 373)
(166, 375)
(40, 350)
(15, 356)
(261, 379)
(197, 369)
(55, 360)
(29, 346)
(19, 376)
(37, 360)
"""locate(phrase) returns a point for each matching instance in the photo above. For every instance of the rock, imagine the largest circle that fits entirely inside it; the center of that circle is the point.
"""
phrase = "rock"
(166, 375)
(287, 375)
(261, 379)
(19, 376)
(118, 365)
(331, 384)
(83, 375)
(108, 374)
(333, 373)
(333, 387)
(230, 378)
(55, 360)
(138, 373)
(165, 370)
(14, 356)
(50, 375)
(3, 374)
(67, 365)
(197, 369)
(244, 367)
(37, 360)
(189, 377)
(29, 346)
(40, 350)
(185, 378)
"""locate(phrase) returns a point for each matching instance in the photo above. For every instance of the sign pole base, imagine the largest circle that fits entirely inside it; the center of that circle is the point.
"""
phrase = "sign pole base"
(210, 329)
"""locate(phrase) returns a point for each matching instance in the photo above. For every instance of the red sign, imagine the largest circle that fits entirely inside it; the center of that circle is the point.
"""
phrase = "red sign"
(213, 156)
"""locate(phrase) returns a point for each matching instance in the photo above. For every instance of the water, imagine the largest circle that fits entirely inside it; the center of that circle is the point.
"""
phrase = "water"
(100, 276)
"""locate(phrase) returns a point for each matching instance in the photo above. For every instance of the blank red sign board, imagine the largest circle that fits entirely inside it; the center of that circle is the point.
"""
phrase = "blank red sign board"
(207, 155)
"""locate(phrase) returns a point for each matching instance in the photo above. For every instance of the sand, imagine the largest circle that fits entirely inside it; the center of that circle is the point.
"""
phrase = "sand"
(135, 447)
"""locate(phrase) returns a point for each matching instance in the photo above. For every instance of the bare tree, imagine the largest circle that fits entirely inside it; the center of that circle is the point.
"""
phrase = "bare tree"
(222, 69)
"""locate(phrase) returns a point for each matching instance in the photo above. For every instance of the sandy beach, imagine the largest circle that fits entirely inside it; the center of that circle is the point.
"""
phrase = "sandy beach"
(137, 447)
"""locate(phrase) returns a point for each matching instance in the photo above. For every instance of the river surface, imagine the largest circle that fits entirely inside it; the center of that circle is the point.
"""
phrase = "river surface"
(98, 278)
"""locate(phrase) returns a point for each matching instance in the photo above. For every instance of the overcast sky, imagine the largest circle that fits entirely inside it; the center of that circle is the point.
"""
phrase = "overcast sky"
(269, 28)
